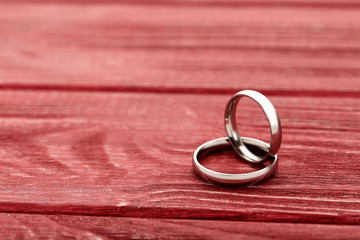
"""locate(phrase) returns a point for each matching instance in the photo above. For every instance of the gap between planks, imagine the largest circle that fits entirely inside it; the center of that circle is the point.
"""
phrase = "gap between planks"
(173, 213)
(176, 90)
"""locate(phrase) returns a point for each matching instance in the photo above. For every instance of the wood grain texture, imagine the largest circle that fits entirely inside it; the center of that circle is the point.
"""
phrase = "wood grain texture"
(129, 154)
(22, 226)
(170, 48)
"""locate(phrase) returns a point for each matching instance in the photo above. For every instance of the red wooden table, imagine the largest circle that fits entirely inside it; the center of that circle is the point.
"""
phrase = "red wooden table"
(103, 103)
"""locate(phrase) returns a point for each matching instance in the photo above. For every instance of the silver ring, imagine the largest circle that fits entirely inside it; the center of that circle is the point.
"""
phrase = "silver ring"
(232, 179)
(233, 134)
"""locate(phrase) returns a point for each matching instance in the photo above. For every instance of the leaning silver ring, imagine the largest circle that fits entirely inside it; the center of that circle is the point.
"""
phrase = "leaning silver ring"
(233, 179)
(233, 134)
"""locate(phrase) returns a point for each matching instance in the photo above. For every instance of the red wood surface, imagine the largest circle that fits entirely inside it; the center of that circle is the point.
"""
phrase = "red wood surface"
(100, 112)
(180, 49)
(129, 154)
(210, 3)
(22, 226)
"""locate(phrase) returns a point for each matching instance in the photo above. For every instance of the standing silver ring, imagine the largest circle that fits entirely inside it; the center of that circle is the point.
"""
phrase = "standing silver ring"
(233, 179)
(233, 134)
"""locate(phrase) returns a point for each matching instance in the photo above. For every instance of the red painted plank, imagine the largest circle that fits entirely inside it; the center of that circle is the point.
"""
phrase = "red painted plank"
(15, 226)
(130, 155)
(210, 3)
(308, 51)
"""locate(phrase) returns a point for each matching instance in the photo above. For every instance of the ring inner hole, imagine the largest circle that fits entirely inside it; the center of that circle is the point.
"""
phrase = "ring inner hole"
(252, 122)
(227, 160)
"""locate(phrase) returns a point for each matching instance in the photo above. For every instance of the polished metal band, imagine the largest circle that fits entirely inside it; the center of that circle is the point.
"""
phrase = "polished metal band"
(233, 179)
(232, 131)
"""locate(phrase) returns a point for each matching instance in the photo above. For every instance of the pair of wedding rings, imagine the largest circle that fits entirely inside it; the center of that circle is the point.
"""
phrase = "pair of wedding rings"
(250, 149)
